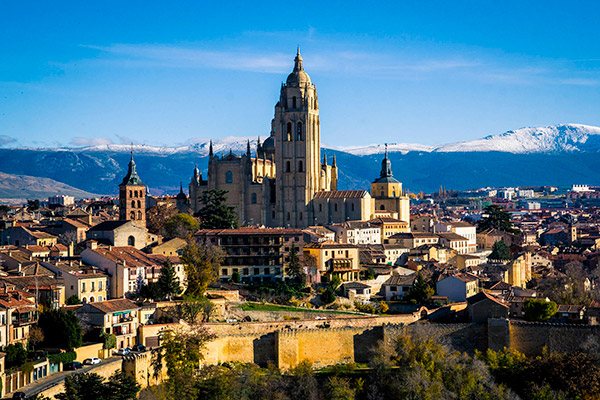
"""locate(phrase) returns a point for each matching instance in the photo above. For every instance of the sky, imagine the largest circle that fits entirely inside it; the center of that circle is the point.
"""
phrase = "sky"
(76, 73)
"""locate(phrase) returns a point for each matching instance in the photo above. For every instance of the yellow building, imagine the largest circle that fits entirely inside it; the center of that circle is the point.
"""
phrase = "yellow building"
(390, 227)
(334, 259)
(388, 195)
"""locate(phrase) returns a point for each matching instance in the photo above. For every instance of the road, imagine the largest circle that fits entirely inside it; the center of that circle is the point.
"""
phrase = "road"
(51, 380)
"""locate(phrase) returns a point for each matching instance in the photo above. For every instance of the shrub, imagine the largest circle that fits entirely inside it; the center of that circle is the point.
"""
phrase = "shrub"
(63, 357)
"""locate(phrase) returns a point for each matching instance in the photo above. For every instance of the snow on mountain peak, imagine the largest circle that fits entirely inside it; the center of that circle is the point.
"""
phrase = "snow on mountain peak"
(550, 139)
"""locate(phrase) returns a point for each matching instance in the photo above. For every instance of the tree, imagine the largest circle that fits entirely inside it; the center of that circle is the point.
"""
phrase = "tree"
(182, 349)
(16, 355)
(191, 308)
(90, 386)
(235, 277)
(420, 291)
(328, 295)
(61, 329)
(33, 205)
(216, 214)
(109, 340)
(500, 251)
(36, 335)
(73, 300)
(158, 215)
(168, 281)
(539, 309)
(151, 291)
(294, 271)
(201, 265)
(497, 218)
(181, 225)
(335, 282)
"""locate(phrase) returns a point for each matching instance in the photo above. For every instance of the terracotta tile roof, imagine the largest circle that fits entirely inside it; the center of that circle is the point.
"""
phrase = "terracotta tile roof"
(116, 305)
(132, 256)
(340, 194)
(401, 280)
(451, 236)
(330, 245)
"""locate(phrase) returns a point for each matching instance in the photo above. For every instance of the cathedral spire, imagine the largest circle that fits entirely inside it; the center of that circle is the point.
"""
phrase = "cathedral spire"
(210, 149)
(334, 164)
(324, 158)
(298, 61)
(386, 165)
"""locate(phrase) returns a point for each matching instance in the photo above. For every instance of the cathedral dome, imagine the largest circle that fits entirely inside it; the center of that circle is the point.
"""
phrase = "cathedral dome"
(298, 77)
(269, 143)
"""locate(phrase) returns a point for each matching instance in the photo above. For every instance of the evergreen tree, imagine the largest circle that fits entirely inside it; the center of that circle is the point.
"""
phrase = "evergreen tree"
(61, 329)
(420, 291)
(294, 271)
(496, 217)
(151, 291)
(216, 214)
(500, 251)
(168, 281)
(539, 309)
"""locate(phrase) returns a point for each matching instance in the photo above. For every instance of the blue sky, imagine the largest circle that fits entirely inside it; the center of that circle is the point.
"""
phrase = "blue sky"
(76, 73)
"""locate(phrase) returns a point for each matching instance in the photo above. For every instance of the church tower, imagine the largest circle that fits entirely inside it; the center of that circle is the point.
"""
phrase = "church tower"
(388, 194)
(132, 197)
(296, 129)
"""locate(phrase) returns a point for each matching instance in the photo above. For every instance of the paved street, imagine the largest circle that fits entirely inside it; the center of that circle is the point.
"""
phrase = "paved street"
(56, 378)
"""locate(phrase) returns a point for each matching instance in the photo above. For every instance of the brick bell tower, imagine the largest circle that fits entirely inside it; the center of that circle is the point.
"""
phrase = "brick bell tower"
(132, 197)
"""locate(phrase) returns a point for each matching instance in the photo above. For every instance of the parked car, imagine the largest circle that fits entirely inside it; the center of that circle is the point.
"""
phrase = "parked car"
(138, 347)
(92, 361)
(123, 352)
(19, 395)
(71, 366)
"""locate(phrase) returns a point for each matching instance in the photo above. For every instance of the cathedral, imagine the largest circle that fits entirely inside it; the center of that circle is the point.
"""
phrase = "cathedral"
(285, 183)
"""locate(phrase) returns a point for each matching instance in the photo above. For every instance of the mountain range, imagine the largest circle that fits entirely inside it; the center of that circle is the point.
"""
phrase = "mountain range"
(554, 155)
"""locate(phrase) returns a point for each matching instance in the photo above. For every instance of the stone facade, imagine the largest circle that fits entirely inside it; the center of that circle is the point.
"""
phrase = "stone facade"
(132, 197)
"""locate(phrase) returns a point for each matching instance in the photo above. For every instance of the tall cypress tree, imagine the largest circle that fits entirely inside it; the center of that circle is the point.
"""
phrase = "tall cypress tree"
(168, 281)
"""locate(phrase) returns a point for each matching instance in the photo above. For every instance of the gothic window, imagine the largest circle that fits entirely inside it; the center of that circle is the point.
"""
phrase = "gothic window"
(139, 215)
(132, 215)
(352, 206)
(253, 198)
(300, 216)
(299, 131)
(228, 177)
(135, 193)
(289, 131)
(130, 193)
(131, 241)
(288, 167)
(294, 102)
(382, 207)
(335, 207)
(320, 207)
(300, 166)
(132, 203)
(139, 204)
(288, 216)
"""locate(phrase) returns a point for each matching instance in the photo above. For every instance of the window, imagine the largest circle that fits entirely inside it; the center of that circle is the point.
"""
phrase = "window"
(83, 286)
(131, 241)
(266, 271)
(382, 193)
(132, 203)
(93, 287)
(300, 166)
(135, 193)
(299, 131)
(253, 198)
(224, 272)
(352, 206)
(139, 204)
(130, 193)
(335, 207)
(288, 166)
(132, 215)
(140, 215)
(289, 131)
(320, 207)
(289, 216)
(393, 193)
(228, 177)
(294, 102)
(300, 216)
(100, 286)
(382, 207)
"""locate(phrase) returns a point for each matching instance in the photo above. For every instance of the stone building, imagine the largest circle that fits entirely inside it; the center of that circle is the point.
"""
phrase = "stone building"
(132, 197)
(276, 187)
(387, 193)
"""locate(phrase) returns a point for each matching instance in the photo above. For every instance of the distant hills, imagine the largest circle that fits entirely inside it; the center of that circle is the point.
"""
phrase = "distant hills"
(29, 187)
(561, 154)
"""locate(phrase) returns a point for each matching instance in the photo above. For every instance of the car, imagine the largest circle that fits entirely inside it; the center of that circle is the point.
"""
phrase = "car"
(92, 361)
(19, 395)
(138, 348)
(71, 366)
(123, 352)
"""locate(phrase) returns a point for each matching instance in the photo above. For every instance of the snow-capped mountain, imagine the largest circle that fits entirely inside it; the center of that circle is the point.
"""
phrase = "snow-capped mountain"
(380, 148)
(551, 139)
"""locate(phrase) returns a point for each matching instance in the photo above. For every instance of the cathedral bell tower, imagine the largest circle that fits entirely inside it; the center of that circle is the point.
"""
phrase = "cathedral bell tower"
(296, 130)
(132, 197)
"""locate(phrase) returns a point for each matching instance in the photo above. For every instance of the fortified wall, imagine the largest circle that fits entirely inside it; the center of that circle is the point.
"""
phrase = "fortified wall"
(530, 338)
